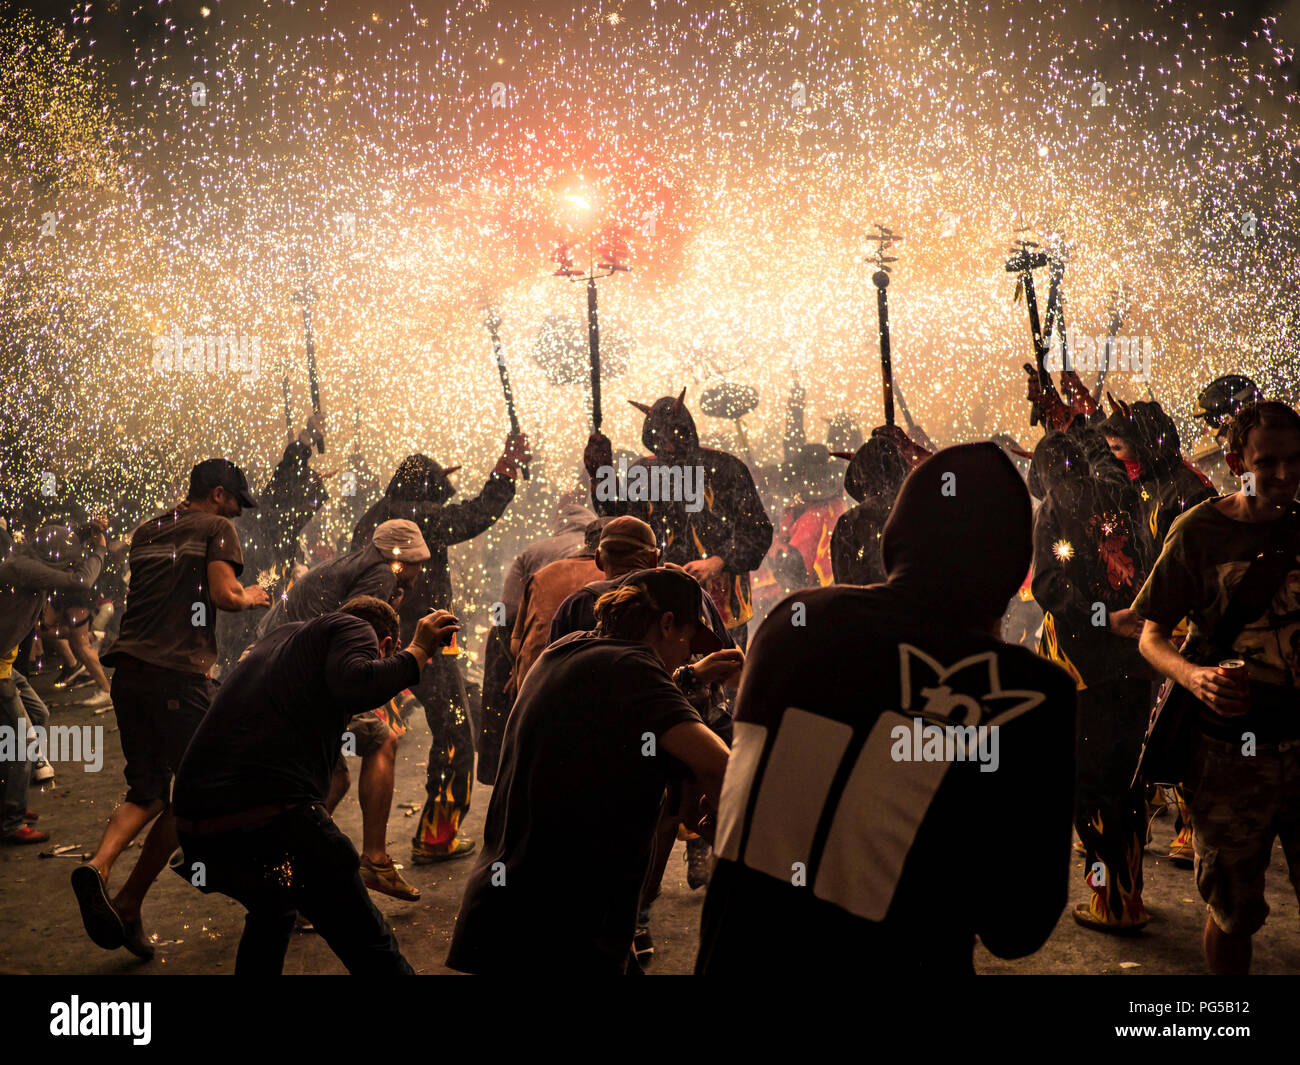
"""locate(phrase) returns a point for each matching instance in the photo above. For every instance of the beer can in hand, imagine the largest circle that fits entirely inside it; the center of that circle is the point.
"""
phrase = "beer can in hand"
(1235, 670)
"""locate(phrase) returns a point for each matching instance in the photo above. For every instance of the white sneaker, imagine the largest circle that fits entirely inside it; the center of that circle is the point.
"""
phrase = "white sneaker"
(101, 700)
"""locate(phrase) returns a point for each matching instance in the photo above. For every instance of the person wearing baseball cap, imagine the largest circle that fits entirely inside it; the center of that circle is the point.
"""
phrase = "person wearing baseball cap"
(185, 566)
(224, 474)
(598, 730)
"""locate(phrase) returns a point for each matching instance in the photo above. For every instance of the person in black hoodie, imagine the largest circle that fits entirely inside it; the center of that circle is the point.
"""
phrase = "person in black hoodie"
(851, 771)
(720, 543)
(1089, 562)
(420, 492)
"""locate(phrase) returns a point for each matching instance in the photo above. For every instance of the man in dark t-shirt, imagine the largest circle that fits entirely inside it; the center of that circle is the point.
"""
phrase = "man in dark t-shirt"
(1245, 750)
(250, 792)
(876, 726)
(596, 731)
(185, 566)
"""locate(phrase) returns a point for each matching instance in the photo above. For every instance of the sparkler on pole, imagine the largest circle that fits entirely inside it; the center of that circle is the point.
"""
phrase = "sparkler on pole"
(567, 269)
(880, 279)
(493, 322)
(305, 296)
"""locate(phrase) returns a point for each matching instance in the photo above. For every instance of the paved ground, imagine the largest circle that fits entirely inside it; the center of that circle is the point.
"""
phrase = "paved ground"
(195, 933)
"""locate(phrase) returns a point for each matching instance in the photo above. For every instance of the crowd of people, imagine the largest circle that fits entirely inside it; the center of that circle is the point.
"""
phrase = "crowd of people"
(945, 642)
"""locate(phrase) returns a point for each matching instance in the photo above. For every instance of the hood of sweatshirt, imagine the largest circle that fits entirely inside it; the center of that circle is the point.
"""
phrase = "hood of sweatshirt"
(960, 536)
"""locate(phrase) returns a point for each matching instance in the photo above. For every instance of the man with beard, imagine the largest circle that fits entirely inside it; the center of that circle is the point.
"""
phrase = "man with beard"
(420, 492)
(719, 534)
(1089, 562)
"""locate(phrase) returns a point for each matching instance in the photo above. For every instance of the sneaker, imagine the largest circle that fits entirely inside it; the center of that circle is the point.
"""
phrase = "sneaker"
(67, 674)
(422, 855)
(643, 947)
(103, 923)
(100, 700)
(1181, 852)
(29, 816)
(1094, 915)
(27, 834)
(42, 772)
(699, 862)
(386, 880)
(136, 941)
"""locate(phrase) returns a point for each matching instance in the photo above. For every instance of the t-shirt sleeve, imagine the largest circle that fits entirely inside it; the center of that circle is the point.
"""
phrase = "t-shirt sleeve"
(223, 544)
(657, 703)
(1171, 590)
(357, 676)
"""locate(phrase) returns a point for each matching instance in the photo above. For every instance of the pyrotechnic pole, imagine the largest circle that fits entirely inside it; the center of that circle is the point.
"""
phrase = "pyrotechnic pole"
(305, 297)
(567, 269)
(288, 410)
(1024, 262)
(1118, 309)
(880, 279)
(493, 322)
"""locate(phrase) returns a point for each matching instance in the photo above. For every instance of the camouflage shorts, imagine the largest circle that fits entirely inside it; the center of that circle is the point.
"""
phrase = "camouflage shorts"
(371, 729)
(1240, 803)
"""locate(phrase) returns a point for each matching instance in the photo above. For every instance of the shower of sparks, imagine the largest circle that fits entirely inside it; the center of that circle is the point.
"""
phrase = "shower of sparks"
(1063, 550)
(740, 150)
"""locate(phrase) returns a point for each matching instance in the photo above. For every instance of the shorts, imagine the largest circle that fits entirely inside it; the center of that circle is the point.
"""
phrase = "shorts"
(1239, 805)
(65, 599)
(371, 730)
(158, 712)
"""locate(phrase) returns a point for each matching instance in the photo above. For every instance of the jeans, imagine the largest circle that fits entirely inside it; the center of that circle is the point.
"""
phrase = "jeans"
(17, 774)
(298, 862)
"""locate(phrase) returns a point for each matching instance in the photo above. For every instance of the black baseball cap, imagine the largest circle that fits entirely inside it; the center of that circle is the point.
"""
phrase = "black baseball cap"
(214, 473)
(677, 591)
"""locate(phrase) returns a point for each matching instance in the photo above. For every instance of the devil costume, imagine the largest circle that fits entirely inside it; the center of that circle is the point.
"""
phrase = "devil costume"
(1090, 559)
(268, 537)
(801, 554)
(419, 492)
(875, 474)
(730, 523)
(1166, 484)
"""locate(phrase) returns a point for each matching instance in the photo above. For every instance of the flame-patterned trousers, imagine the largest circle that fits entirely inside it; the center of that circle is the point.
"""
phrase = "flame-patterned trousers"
(441, 690)
(1110, 812)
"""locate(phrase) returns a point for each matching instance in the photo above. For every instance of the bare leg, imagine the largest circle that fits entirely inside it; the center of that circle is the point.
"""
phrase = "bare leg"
(79, 641)
(62, 649)
(375, 792)
(1226, 955)
(339, 784)
(158, 847)
(124, 824)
